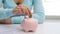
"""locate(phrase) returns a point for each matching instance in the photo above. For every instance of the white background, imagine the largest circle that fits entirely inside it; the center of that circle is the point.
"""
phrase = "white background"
(52, 7)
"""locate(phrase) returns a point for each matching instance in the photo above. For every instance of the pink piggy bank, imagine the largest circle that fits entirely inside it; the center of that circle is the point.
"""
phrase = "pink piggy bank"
(29, 24)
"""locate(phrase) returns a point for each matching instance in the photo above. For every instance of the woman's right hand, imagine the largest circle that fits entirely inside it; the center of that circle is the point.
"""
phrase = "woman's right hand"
(21, 9)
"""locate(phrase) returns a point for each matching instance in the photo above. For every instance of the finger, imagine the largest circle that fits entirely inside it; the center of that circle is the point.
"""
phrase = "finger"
(15, 11)
(30, 14)
(21, 11)
(18, 7)
(27, 13)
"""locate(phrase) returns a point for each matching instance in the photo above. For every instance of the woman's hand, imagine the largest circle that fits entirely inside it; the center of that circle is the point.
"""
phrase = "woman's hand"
(5, 21)
(20, 9)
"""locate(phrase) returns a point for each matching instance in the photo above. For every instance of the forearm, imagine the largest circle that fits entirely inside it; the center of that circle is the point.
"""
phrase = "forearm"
(6, 13)
(17, 19)
(40, 17)
(0, 3)
(39, 11)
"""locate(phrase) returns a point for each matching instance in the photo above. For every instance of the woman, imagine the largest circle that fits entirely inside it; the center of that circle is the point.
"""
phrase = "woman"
(9, 5)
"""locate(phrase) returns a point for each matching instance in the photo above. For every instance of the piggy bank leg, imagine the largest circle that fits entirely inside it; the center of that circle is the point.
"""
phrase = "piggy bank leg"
(26, 30)
(32, 30)
(29, 30)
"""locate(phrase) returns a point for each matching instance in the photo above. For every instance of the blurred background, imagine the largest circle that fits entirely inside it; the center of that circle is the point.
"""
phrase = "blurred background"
(52, 10)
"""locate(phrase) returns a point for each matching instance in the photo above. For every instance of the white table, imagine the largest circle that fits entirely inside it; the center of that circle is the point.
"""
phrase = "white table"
(46, 28)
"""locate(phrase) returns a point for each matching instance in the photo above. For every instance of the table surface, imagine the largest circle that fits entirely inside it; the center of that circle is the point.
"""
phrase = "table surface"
(46, 28)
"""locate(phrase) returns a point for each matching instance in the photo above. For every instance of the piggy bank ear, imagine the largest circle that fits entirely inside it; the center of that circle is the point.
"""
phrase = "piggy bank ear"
(25, 20)
(26, 17)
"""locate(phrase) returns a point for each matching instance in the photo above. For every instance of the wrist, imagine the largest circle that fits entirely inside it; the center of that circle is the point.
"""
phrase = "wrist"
(8, 20)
